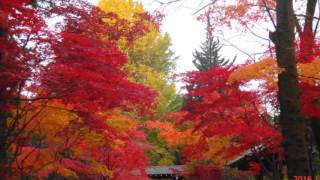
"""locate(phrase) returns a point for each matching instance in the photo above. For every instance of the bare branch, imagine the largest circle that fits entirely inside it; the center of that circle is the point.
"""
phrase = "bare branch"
(318, 20)
(203, 7)
(168, 2)
(239, 49)
(269, 13)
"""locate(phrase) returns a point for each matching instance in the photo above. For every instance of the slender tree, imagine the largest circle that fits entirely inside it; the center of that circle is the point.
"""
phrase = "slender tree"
(291, 120)
(209, 55)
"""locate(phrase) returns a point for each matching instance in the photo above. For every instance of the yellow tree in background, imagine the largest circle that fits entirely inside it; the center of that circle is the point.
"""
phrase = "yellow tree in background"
(152, 49)
(125, 9)
(151, 63)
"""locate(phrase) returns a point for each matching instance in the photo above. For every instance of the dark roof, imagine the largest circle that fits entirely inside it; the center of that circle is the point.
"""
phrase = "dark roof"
(156, 170)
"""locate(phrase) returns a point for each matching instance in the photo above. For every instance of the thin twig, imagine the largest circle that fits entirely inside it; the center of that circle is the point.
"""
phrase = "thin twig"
(318, 20)
(269, 13)
(203, 7)
(239, 49)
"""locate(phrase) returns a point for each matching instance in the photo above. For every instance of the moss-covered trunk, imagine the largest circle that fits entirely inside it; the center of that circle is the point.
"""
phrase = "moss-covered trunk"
(291, 119)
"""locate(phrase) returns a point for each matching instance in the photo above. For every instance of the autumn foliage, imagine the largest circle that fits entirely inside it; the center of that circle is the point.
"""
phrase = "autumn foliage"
(65, 98)
(219, 123)
(86, 92)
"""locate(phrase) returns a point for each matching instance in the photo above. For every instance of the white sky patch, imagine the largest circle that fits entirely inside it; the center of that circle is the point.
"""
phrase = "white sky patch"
(95, 2)
(187, 34)
(185, 30)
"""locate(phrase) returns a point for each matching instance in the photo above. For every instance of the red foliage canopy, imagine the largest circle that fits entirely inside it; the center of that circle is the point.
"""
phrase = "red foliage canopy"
(222, 109)
(79, 65)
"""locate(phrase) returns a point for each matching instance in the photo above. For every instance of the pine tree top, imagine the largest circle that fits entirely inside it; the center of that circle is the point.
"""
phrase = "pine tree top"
(209, 53)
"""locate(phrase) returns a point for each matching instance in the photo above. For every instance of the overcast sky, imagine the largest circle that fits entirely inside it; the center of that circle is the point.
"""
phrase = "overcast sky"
(187, 32)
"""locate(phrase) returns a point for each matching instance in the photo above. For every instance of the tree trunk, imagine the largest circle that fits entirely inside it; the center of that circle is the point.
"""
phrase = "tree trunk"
(3, 124)
(4, 114)
(315, 123)
(259, 176)
(291, 119)
(3, 144)
(311, 7)
(310, 11)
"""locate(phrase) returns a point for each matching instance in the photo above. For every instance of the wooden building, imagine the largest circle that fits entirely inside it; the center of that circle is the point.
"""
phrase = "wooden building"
(166, 172)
